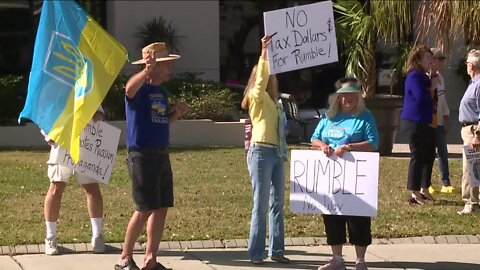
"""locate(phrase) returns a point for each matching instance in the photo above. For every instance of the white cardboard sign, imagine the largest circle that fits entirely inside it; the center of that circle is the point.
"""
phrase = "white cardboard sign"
(98, 149)
(334, 185)
(302, 36)
(473, 164)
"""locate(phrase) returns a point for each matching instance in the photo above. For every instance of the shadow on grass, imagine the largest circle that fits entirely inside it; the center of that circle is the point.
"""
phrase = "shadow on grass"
(37, 149)
(407, 155)
(441, 202)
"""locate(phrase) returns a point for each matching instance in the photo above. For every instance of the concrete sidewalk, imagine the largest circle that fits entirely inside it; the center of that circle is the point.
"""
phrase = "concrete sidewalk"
(402, 148)
(455, 252)
(390, 256)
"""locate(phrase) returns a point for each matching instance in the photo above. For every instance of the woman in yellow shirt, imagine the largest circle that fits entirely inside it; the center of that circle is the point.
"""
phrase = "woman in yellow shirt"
(265, 160)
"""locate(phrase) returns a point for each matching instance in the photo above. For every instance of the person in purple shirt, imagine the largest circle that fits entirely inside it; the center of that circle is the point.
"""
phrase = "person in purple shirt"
(416, 120)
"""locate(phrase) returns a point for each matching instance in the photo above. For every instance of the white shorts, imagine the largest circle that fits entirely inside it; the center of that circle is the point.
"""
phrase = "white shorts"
(59, 173)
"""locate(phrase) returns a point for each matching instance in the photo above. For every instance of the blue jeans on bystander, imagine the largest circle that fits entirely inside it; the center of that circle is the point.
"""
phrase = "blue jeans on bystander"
(268, 185)
(442, 153)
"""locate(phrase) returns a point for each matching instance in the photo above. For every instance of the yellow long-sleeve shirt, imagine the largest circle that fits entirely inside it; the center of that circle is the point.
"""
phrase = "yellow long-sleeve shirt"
(262, 109)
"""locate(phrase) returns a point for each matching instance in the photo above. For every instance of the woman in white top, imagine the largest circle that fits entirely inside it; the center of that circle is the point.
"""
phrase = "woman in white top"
(441, 131)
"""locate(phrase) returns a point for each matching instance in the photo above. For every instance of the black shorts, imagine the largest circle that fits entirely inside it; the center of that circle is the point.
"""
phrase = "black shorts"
(152, 181)
(359, 231)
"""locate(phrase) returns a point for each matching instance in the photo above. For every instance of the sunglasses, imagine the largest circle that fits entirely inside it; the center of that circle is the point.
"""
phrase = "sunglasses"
(441, 58)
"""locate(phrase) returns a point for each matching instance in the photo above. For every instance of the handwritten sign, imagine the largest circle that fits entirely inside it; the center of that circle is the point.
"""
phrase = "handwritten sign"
(334, 185)
(473, 164)
(98, 149)
(302, 36)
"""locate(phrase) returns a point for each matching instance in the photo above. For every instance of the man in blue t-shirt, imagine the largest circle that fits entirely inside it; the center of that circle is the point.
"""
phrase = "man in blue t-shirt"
(148, 163)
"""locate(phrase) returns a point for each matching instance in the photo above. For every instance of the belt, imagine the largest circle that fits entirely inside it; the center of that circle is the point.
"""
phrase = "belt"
(264, 145)
(464, 124)
(158, 150)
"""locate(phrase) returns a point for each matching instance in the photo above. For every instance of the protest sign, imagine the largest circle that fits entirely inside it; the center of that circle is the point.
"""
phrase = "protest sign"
(473, 164)
(98, 149)
(346, 185)
(302, 36)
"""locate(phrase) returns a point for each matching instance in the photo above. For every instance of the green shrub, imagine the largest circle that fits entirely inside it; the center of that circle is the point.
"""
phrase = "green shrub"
(114, 102)
(13, 89)
(206, 99)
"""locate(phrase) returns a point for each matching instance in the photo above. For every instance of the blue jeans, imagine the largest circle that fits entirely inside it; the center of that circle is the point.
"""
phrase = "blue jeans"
(442, 153)
(268, 185)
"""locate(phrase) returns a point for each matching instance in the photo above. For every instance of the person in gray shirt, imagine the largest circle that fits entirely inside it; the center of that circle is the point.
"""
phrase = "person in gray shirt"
(469, 117)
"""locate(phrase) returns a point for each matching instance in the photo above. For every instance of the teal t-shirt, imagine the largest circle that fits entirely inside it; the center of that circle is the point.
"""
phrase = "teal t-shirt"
(346, 128)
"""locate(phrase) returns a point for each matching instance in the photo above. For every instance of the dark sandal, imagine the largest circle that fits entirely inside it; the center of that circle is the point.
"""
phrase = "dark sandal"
(129, 265)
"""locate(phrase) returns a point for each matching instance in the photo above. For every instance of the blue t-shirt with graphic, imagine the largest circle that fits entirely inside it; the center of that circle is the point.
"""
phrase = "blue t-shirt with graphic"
(147, 118)
(346, 128)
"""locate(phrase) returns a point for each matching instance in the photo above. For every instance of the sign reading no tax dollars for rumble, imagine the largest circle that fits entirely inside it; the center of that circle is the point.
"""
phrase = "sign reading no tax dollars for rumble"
(302, 36)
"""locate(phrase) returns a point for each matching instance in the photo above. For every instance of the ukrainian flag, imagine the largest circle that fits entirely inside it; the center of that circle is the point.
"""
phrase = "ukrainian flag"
(75, 61)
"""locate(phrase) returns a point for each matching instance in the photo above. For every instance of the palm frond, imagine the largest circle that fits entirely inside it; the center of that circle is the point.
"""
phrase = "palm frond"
(392, 20)
(158, 29)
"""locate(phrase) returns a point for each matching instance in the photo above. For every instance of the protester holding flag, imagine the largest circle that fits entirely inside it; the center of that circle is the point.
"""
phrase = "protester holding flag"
(346, 126)
(59, 177)
(148, 120)
(265, 159)
(75, 61)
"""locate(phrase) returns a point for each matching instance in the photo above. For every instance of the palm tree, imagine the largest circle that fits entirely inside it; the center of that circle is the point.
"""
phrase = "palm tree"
(158, 29)
(449, 20)
(362, 25)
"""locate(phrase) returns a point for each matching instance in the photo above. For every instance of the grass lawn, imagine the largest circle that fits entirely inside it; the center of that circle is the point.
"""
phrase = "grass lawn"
(212, 201)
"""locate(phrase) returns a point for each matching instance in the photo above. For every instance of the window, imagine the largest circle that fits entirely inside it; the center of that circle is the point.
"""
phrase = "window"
(18, 27)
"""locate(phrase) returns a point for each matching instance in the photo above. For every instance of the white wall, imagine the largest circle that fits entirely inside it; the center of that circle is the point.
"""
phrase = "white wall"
(197, 21)
(455, 85)
(206, 133)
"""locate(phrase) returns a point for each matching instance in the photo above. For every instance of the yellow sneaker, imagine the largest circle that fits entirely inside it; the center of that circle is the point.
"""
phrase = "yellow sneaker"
(447, 189)
(431, 190)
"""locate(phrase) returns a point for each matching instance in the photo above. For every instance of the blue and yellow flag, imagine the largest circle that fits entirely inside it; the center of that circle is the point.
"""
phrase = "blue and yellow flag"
(75, 61)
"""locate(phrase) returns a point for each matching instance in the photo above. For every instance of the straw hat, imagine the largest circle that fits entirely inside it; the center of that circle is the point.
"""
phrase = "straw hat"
(161, 53)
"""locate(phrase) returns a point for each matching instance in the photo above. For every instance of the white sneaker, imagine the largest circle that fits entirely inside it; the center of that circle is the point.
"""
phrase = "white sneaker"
(467, 209)
(51, 246)
(98, 244)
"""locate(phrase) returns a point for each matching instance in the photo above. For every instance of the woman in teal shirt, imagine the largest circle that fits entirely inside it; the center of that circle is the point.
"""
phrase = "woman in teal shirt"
(346, 126)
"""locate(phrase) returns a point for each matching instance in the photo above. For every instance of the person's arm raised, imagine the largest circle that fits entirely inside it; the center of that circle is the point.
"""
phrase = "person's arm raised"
(136, 81)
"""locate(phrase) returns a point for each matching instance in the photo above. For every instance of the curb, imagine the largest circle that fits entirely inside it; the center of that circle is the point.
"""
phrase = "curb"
(233, 243)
